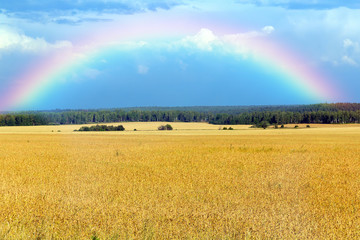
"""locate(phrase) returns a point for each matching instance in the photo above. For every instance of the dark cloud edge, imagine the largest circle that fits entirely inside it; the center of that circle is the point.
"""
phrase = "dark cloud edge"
(59, 16)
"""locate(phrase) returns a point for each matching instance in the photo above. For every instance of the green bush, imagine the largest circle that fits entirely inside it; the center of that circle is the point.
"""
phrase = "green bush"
(167, 127)
(102, 128)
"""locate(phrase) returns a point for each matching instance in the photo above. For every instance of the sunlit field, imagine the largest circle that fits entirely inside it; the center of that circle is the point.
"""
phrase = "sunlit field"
(129, 127)
(195, 182)
(151, 128)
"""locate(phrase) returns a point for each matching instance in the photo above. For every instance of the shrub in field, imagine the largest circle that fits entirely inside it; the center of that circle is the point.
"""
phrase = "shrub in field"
(84, 129)
(165, 127)
(296, 126)
(168, 127)
(308, 126)
(226, 128)
(102, 128)
(263, 124)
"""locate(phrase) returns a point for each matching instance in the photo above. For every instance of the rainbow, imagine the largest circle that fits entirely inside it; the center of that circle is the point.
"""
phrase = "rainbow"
(287, 63)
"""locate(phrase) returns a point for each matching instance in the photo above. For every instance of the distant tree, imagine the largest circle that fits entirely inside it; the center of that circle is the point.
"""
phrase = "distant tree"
(263, 124)
(10, 120)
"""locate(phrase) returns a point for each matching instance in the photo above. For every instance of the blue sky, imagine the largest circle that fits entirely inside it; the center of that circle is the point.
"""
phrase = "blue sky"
(202, 57)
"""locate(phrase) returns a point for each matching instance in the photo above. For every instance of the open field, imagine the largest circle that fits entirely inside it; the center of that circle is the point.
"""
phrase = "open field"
(179, 127)
(193, 182)
(129, 127)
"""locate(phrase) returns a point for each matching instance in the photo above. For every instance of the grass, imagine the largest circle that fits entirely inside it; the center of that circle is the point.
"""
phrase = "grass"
(196, 184)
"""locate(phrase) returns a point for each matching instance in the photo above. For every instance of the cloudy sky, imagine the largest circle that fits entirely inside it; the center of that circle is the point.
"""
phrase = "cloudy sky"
(121, 53)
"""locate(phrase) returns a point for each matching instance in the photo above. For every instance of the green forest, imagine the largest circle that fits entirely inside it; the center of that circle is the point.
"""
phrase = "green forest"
(335, 113)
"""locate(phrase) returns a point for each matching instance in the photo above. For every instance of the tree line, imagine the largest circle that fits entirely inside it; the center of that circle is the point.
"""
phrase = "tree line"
(316, 113)
(324, 117)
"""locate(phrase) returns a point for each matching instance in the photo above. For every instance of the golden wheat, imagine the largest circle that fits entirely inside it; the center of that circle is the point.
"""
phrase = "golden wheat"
(245, 183)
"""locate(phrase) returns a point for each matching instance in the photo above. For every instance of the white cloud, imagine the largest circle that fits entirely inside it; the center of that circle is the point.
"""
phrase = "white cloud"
(142, 69)
(268, 29)
(351, 52)
(239, 37)
(10, 39)
(349, 44)
(205, 40)
(349, 60)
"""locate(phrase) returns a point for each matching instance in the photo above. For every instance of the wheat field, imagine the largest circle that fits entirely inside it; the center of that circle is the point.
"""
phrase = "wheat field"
(195, 182)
